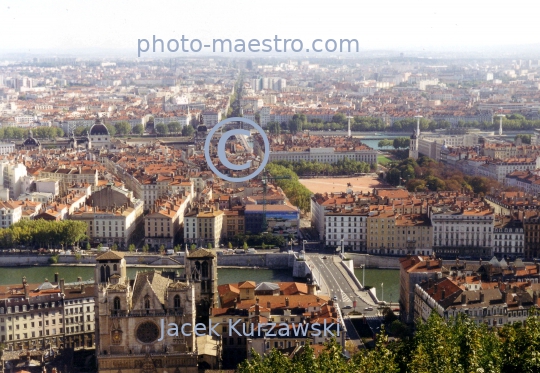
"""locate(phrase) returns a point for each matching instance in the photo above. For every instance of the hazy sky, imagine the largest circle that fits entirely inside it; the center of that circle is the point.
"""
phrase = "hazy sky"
(34, 25)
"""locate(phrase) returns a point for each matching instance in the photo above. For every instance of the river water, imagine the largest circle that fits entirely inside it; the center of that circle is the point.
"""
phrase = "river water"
(34, 275)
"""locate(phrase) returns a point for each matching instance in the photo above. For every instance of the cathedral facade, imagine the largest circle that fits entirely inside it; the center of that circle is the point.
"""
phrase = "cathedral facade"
(132, 334)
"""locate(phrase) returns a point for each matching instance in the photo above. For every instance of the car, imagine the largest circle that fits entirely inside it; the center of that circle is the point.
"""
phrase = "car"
(368, 309)
(347, 307)
(324, 257)
(334, 298)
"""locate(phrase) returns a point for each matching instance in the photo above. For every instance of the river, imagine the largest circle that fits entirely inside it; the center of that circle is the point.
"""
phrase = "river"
(34, 275)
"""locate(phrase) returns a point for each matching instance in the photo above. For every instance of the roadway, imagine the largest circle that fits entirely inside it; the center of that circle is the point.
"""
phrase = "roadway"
(336, 282)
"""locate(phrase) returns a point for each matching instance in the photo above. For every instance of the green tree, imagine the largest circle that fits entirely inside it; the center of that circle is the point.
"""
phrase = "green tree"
(162, 249)
(131, 248)
(174, 127)
(145, 248)
(111, 129)
(385, 143)
(162, 129)
(138, 129)
(274, 128)
(230, 245)
(188, 131)
(193, 247)
(245, 246)
(209, 246)
(122, 128)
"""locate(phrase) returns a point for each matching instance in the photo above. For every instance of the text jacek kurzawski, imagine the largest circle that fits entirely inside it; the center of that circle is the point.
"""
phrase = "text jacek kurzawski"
(269, 329)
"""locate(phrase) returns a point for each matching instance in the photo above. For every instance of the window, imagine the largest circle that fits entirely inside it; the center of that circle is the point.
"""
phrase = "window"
(177, 302)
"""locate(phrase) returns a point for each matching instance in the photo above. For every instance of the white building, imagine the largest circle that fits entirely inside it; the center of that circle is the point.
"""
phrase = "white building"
(508, 237)
(10, 213)
(462, 231)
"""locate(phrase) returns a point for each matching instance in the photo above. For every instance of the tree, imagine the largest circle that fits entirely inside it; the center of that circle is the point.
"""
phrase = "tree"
(122, 128)
(209, 246)
(274, 127)
(245, 246)
(174, 127)
(188, 131)
(100, 247)
(114, 247)
(385, 143)
(230, 245)
(131, 248)
(162, 249)
(145, 248)
(111, 129)
(88, 246)
(138, 129)
(525, 138)
(193, 247)
(162, 129)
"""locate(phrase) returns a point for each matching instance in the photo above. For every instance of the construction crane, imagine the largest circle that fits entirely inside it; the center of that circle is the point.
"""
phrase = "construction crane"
(265, 179)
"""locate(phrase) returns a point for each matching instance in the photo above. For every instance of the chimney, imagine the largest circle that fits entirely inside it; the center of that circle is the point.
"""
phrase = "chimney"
(268, 305)
(82, 287)
(257, 310)
(286, 302)
(79, 279)
(56, 278)
(443, 293)
(463, 298)
(435, 288)
(62, 283)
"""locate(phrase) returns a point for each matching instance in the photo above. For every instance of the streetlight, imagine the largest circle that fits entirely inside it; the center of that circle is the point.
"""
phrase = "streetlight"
(500, 122)
(342, 247)
(363, 266)
(304, 245)
(418, 124)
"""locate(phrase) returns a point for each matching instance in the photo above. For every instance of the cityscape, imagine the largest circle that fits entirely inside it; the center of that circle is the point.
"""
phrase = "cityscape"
(176, 198)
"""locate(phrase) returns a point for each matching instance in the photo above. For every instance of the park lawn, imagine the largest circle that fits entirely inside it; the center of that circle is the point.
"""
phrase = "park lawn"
(383, 159)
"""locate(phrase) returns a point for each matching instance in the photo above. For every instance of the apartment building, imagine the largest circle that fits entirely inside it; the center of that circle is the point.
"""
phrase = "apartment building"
(531, 230)
(164, 221)
(234, 223)
(347, 228)
(499, 169)
(494, 306)
(112, 216)
(10, 212)
(71, 175)
(462, 231)
(508, 237)
(204, 227)
(413, 270)
(47, 315)
(300, 309)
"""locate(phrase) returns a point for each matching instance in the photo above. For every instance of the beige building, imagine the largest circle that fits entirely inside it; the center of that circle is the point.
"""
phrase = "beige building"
(164, 221)
(203, 227)
(50, 315)
(234, 223)
(112, 217)
(413, 270)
